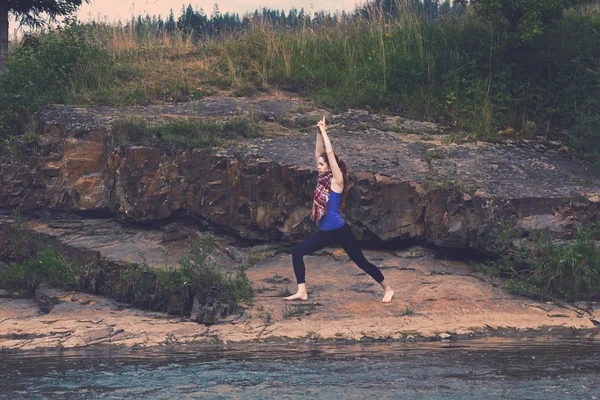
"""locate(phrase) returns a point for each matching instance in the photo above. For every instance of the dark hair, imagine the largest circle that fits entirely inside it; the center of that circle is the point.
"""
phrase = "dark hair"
(344, 169)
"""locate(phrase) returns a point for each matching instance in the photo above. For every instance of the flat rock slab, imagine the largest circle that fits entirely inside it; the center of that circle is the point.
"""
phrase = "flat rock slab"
(81, 320)
(160, 246)
(84, 120)
(509, 170)
(433, 299)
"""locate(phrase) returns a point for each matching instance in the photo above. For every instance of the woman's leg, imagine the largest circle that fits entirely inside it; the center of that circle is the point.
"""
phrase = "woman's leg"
(307, 246)
(346, 238)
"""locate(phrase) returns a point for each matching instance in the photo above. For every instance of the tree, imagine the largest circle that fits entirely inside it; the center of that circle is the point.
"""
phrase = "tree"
(526, 19)
(170, 24)
(29, 12)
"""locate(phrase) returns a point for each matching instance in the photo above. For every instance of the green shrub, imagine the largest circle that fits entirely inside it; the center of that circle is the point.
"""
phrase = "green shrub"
(35, 262)
(525, 19)
(540, 267)
(585, 134)
(461, 70)
(200, 271)
(197, 270)
(46, 68)
(47, 265)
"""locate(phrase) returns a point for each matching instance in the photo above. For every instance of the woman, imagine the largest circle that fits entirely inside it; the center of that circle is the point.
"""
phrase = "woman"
(329, 201)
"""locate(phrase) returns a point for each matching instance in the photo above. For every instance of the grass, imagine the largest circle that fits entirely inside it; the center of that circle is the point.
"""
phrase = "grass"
(198, 270)
(407, 311)
(31, 261)
(457, 69)
(184, 132)
(258, 255)
(542, 268)
(587, 182)
(306, 122)
(298, 310)
(35, 261)
(48, 264)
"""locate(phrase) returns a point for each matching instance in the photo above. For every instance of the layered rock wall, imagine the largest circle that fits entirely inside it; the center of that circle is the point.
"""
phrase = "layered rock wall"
(397, 191)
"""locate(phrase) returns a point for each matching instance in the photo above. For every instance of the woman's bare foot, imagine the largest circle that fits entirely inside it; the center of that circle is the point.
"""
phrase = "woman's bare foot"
(387, 295)
(302, 296)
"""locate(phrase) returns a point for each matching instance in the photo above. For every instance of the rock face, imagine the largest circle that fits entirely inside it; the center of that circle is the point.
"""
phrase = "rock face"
(402, 187)
(111, 271)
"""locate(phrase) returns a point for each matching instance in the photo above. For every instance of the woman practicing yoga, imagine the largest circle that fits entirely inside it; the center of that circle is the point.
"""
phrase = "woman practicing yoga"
(329, 201)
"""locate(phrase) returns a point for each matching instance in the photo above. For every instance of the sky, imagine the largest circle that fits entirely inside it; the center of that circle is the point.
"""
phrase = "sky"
(114, 10)
(123, 9)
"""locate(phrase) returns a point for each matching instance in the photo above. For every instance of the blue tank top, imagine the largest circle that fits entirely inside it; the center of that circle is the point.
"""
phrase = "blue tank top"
(332, 220)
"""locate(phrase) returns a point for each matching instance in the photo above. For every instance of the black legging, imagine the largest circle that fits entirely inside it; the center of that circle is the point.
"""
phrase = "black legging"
(343, 236)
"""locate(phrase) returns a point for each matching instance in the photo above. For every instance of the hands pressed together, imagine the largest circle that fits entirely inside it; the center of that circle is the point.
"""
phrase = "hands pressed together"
(322, 125)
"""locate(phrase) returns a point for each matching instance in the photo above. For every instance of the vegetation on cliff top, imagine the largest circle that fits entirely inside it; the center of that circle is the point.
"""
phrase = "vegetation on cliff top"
(420, 59)
(184, 132)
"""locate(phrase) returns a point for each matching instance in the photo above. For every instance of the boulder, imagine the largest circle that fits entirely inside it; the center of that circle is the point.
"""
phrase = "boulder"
(46, 297)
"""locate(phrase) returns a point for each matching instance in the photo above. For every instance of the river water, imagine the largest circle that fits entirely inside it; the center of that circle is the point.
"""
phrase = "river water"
(483, 369)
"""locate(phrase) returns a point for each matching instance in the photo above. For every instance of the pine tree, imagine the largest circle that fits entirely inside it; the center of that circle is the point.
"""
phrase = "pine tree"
(170, 25)
(29, 12)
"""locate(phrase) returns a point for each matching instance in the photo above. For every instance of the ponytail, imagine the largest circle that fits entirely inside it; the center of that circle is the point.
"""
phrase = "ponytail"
(344, 168)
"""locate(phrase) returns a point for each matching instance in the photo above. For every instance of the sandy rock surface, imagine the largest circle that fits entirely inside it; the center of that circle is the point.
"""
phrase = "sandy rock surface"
(81, 320)
(434, 299)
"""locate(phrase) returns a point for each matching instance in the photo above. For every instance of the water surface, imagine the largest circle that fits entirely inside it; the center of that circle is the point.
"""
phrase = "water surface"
(488, 369)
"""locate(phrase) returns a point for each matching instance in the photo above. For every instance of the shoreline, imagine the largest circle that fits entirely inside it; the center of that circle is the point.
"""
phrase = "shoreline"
(508, 338)
(447, 300)
(435, 299)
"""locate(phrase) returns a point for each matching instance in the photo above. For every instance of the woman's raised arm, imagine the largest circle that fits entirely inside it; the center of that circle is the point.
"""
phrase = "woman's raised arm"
(338, 177)
(319, 148)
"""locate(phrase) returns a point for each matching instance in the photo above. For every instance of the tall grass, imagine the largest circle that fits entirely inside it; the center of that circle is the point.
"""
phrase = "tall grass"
(544, 268)
(455, 69)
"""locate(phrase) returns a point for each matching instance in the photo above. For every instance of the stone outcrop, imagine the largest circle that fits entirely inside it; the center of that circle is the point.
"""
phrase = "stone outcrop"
(403, 185)
(105, 249)
(435, 300)
(81, 320)
(46, 297)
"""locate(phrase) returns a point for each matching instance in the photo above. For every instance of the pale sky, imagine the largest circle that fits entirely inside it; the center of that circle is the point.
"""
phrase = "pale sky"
(123, 9)
(113, 10)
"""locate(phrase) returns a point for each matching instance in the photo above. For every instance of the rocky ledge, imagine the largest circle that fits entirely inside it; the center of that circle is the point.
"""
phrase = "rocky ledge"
(81, 319)
(435, 300)
(408, 180)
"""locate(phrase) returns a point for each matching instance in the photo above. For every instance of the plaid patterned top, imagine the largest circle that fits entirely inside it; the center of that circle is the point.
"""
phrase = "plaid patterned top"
(321, 198)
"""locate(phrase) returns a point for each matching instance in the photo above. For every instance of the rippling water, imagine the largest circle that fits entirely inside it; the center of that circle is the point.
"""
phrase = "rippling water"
(466, 370)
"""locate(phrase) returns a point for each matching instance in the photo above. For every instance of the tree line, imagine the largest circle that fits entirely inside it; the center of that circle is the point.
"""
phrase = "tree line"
(203, 25)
